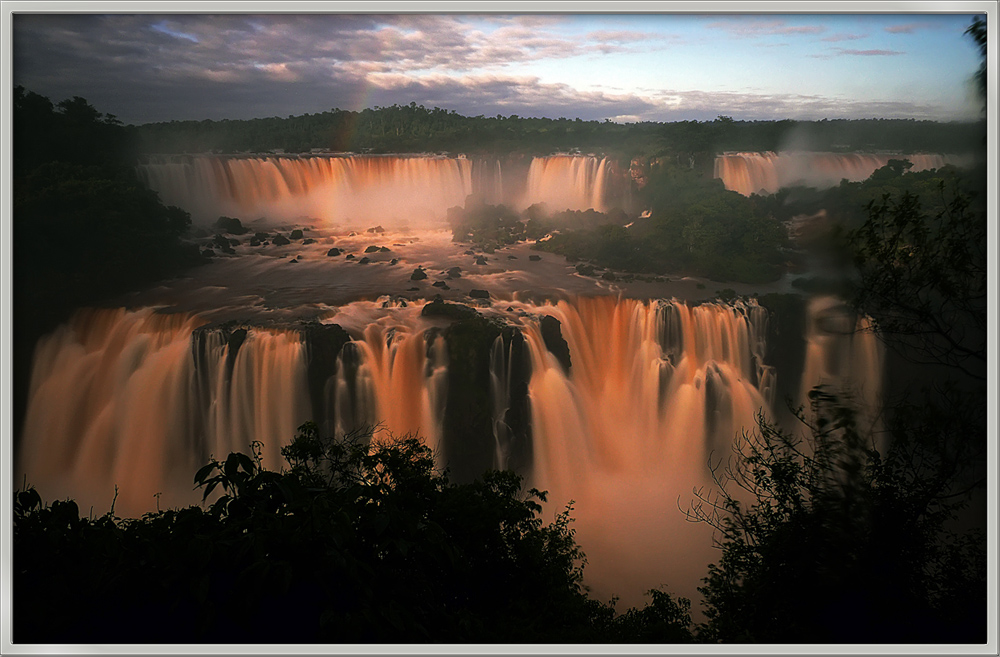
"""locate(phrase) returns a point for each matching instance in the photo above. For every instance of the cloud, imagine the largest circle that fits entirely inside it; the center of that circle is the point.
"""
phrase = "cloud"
(758, 27)
(523, 95)
(842, 36)
(706, 105)
(280, 72)
(74, 54)
(908, 28)
(870, 53)
(147, 68)
(626, 118)
(162, 27)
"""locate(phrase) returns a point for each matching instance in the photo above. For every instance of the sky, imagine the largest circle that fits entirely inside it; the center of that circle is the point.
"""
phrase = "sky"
(145, 67)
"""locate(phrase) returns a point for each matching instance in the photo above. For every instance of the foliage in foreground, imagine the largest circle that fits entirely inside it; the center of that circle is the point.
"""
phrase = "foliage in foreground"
(826, 539)
(922, 266)
(359, 540)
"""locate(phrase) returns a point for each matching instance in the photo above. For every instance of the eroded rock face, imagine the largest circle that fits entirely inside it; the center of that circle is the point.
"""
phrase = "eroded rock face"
(468, 425)
(639, 172)
(324, 343)
(555, 342)
(514, 424)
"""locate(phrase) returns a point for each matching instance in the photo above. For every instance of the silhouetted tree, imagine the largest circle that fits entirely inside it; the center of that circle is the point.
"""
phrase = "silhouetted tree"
(84, 227)
(360, 539)
(922, 277)
(978, 33)
(826, 540)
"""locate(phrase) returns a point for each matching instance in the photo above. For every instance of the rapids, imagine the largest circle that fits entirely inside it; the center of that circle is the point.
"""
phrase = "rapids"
(619, 412)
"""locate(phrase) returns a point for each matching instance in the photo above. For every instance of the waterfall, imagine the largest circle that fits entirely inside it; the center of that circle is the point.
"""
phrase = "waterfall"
(397, 379)
(651, 393)
(649, 383)
(654, 390)
(567, 182)
(141, 400)
(844, 355)
(387, 190)
(390, 190)
(751, 173)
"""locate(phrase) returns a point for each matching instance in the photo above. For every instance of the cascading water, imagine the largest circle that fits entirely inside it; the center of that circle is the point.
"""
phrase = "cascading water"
(399, 383)
(141, 400)
(391, 190)
(844, 355)
(568, 182)
(752, 173)
(653, 391)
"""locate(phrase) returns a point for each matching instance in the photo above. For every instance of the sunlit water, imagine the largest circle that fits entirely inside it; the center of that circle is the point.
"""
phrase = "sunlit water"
(755, 173)
(660, 381)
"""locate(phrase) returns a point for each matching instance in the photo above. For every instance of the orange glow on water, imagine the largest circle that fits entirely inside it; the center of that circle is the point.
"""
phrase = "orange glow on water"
(142, 399)
(751, 173)
(567, 182)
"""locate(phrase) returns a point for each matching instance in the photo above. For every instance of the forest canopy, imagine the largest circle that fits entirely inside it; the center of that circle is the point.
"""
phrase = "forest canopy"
(415, 128)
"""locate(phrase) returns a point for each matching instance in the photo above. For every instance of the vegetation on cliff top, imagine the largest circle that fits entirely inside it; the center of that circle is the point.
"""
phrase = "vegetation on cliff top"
(415, 128)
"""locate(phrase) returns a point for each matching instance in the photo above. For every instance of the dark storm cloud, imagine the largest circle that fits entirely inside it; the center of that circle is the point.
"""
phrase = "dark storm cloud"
(146, 67)
(159, 67)
(123, 64)
(524, 96)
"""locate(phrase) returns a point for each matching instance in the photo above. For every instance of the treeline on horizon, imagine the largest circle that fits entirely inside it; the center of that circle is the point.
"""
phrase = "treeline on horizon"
(415, 128)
